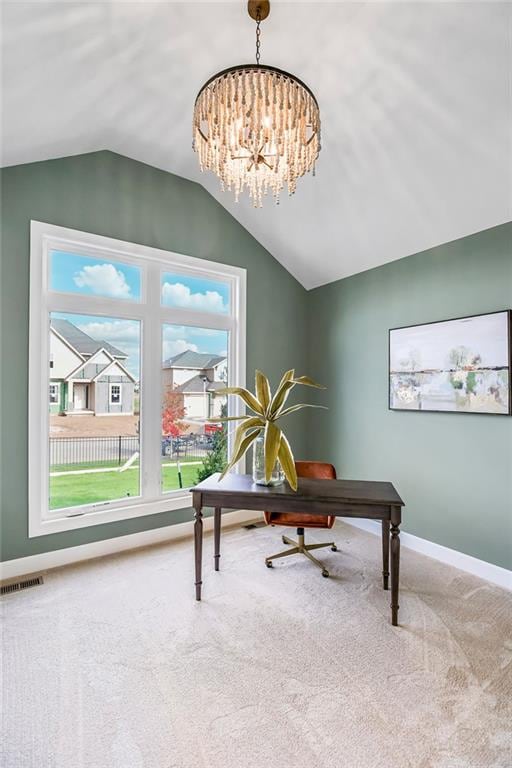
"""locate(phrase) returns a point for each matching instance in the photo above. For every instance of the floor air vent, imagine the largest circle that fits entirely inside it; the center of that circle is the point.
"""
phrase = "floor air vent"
(250, 526)
(17, 586)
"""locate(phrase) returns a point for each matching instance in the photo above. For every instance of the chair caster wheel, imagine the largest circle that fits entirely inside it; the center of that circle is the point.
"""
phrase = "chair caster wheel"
(268, 563)
(325, 574)
(334, 548)
(283, 539)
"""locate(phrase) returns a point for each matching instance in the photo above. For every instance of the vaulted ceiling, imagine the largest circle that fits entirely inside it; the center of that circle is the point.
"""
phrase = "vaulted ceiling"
(415, 102)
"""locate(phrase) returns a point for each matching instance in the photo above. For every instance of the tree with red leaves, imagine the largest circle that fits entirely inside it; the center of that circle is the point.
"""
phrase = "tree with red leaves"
(173, 412)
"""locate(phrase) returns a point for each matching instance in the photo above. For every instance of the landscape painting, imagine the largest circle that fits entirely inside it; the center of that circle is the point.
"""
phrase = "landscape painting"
(458, 365)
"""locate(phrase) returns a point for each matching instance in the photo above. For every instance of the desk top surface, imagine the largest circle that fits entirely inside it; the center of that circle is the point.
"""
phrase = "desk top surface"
(355, 491)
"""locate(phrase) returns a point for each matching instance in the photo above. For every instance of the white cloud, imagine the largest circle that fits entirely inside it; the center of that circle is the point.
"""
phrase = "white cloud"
(113, 331)
(179, 295)
(104, 280)
(173, 347)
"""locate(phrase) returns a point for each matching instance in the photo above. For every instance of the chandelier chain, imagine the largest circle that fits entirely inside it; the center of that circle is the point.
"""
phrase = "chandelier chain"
(258, 36)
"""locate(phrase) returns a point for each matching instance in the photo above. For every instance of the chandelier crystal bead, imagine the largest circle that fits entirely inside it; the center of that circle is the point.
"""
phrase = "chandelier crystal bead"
(257, 128)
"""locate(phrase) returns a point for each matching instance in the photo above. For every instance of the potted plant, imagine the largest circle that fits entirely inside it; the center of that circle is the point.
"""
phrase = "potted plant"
(272, 456)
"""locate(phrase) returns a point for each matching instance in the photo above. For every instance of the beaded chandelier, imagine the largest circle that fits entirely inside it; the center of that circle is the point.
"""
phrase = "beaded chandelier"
(256, 127)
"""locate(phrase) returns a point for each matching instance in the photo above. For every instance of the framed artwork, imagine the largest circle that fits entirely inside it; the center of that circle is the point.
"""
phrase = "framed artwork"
(458, 366)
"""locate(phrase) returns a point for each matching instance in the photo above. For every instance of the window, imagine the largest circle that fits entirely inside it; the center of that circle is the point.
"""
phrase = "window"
(54, 393)
(94, 459)
(115, 394)
(134, 344)
(195, 365)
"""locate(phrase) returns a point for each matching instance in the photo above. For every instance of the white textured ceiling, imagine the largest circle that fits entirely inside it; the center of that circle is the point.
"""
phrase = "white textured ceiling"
(415, 101)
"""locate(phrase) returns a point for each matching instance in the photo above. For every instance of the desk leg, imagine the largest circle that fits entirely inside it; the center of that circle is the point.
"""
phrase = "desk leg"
(198, 547)
(385, 553)
(395, 565)
(216, 537)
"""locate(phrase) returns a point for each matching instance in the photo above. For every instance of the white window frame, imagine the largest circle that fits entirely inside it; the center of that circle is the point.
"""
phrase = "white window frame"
(151, 314)
(110, 387)
(53, 385)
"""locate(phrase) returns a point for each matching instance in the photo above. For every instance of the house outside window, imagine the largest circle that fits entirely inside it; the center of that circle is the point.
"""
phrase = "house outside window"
(87, 366)
(133, 343)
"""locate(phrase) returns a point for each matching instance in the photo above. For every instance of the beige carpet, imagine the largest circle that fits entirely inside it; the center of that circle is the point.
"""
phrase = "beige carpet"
(112, 664)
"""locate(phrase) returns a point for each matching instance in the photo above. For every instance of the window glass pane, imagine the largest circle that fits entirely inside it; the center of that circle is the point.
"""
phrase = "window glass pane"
(195, 293)
(89, 276)
(194, 367)
(94, 409)
(115, 394)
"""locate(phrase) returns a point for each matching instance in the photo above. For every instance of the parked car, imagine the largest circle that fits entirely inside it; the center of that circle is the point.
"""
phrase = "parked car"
(210, 429)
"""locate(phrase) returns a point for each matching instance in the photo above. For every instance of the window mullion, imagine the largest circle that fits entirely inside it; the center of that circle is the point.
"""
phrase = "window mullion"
(176, 316)
(94, 305)
(150, 421)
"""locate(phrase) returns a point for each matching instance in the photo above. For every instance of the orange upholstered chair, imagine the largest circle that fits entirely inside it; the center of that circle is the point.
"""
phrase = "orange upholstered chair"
(301, 520)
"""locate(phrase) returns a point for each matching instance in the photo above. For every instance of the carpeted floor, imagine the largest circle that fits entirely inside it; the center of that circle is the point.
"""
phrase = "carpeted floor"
(112, 664)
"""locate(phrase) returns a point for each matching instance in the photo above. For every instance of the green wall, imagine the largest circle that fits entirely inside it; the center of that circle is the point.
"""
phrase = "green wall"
(454, 471)
(111, 195)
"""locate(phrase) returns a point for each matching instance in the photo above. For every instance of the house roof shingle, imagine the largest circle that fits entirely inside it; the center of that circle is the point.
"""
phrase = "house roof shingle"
(195, 386)
(83, 343)
(193, 360)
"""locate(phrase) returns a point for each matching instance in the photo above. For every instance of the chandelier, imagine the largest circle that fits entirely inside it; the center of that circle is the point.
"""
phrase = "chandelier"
(256, 127)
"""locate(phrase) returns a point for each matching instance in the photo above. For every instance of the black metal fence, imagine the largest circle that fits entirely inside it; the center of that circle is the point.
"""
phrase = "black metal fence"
(117, 449)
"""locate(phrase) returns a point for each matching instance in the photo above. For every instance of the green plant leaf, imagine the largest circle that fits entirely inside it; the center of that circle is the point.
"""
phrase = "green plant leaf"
(297, 407)
(287, 375)
(262, 387)
(285, 456)
(307, 382)
(244, 446)
(272, 440)
(251, 423)
(285, 386)
(246, 396)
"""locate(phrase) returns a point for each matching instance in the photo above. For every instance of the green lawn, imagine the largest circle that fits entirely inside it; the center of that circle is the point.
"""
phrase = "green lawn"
(74, 490)
(170, 477)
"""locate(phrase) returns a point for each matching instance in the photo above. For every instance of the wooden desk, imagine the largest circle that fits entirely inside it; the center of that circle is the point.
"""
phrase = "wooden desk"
(343, 498)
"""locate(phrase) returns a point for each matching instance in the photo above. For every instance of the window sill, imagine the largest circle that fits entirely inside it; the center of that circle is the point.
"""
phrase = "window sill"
(111, 515)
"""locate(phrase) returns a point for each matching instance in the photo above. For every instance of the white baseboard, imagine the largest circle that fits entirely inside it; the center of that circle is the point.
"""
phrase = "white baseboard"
(11, 569)
(45, 561)
(488, 571)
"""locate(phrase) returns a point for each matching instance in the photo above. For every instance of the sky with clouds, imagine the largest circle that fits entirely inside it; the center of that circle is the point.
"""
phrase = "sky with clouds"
(74, 273)
(194, 293)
